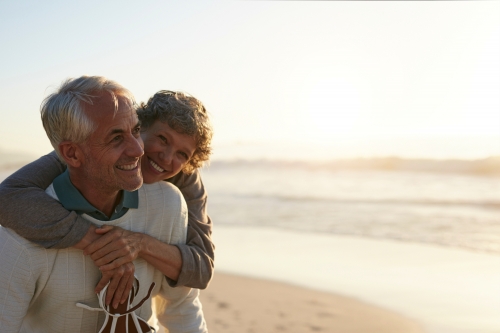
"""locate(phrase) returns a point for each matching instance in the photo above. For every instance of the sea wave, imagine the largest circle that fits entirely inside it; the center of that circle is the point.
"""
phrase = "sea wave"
(484, 167)
(399, 202)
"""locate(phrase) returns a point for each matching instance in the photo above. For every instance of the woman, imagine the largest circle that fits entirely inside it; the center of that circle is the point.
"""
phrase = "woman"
(177, 134)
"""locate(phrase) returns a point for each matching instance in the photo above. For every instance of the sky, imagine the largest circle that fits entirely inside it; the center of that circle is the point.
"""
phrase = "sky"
(293, 80)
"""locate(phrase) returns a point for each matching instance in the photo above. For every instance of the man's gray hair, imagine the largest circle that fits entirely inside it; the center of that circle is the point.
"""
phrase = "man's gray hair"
(63, 112)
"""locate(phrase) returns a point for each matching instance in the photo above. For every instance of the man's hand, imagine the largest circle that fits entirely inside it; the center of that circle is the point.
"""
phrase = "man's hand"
(120, 282)
(113, 252)
(114, 248)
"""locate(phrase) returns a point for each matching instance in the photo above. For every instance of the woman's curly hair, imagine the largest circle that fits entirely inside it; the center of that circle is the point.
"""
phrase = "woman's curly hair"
(186, 115)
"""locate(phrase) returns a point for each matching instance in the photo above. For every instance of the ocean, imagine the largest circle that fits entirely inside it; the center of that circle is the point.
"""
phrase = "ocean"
(421, 238)
(436, 205)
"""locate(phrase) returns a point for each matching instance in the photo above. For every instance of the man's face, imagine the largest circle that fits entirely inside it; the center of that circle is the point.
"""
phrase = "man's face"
(112, 152)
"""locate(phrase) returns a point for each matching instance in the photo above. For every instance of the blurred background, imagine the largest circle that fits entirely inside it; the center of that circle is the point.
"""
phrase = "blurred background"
(372, 119)
(379, 119)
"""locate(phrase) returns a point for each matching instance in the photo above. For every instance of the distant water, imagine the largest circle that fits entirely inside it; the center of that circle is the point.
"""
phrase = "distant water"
(451, 204)
(459, 209)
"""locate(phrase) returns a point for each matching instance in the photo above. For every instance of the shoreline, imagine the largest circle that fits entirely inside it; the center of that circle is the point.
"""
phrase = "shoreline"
(446, 290)
(234, 303)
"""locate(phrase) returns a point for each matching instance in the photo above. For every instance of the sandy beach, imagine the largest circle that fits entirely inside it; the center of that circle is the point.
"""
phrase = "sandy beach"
(239, 304)
(445, 290)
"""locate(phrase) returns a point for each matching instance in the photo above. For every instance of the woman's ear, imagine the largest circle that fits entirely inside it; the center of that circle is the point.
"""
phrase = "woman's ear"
(71, 153)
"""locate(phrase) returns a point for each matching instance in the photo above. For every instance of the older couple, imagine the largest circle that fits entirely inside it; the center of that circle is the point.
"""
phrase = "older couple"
(80, 230)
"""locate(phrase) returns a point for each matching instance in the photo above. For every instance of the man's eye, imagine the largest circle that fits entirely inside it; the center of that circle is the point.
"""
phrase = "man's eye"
(117, 138)
(136, 130)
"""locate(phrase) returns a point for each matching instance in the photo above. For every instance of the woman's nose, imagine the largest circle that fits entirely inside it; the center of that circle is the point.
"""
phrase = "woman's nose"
(166, 155)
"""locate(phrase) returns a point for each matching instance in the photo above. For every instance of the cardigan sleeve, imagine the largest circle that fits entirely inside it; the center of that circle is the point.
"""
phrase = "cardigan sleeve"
(198, 252)
(34, 215)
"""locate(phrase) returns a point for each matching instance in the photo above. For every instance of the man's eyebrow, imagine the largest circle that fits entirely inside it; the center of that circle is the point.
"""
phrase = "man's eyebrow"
(116, 131)
(119, 130)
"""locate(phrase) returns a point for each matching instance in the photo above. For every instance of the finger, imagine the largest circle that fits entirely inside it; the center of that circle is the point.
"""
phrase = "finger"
(114, 264)
(103, 229)
(107, 265)
(102, 283)
(109, 261)
(98, 244)
(109, 253)
(125, 285)
(113, 285)
(120, 292)
(128, 287)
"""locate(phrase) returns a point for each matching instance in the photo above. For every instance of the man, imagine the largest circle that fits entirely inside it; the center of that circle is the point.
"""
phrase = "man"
(93, 126)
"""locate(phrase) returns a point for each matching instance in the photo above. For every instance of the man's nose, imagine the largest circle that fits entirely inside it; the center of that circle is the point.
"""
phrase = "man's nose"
(135, 147)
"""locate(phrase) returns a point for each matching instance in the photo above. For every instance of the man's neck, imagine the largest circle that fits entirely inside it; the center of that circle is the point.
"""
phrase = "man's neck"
(105, 201)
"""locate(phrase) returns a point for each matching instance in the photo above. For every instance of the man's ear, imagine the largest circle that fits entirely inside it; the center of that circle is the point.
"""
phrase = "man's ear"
(72, 153)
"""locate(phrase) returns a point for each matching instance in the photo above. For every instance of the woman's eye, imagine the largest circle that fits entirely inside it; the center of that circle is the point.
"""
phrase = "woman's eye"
(162, 138)
(183, 155)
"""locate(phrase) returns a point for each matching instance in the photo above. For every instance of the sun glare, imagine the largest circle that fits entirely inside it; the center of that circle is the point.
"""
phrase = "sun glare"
(333, 108)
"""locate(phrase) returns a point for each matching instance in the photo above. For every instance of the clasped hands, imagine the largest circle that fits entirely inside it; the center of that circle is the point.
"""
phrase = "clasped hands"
(113, 252)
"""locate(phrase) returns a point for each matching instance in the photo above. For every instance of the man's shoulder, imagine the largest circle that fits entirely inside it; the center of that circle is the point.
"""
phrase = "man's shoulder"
(157, 196)
(161, 189)
(15, 242)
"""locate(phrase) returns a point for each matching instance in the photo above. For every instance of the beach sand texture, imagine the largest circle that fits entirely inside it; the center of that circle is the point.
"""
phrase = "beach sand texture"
(239, 304)
(445, 290)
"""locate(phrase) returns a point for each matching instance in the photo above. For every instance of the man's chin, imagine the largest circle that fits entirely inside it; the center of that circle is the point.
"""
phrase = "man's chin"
(132, 185)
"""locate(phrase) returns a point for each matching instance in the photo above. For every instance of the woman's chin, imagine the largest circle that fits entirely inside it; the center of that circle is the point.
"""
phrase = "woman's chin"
(149, 178)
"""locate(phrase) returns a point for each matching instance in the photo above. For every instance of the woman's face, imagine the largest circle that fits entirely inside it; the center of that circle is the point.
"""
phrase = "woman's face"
(166, 152)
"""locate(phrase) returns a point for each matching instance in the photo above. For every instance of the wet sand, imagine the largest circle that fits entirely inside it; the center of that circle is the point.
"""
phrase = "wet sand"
(239, 304)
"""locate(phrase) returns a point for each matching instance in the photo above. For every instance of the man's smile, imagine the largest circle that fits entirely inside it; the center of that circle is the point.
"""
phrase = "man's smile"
(128, 167)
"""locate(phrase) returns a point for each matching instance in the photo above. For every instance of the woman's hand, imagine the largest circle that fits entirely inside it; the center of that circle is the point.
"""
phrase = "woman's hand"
(114, 248)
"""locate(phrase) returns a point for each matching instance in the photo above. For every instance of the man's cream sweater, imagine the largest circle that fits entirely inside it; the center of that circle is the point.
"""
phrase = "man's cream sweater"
(39, 288)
